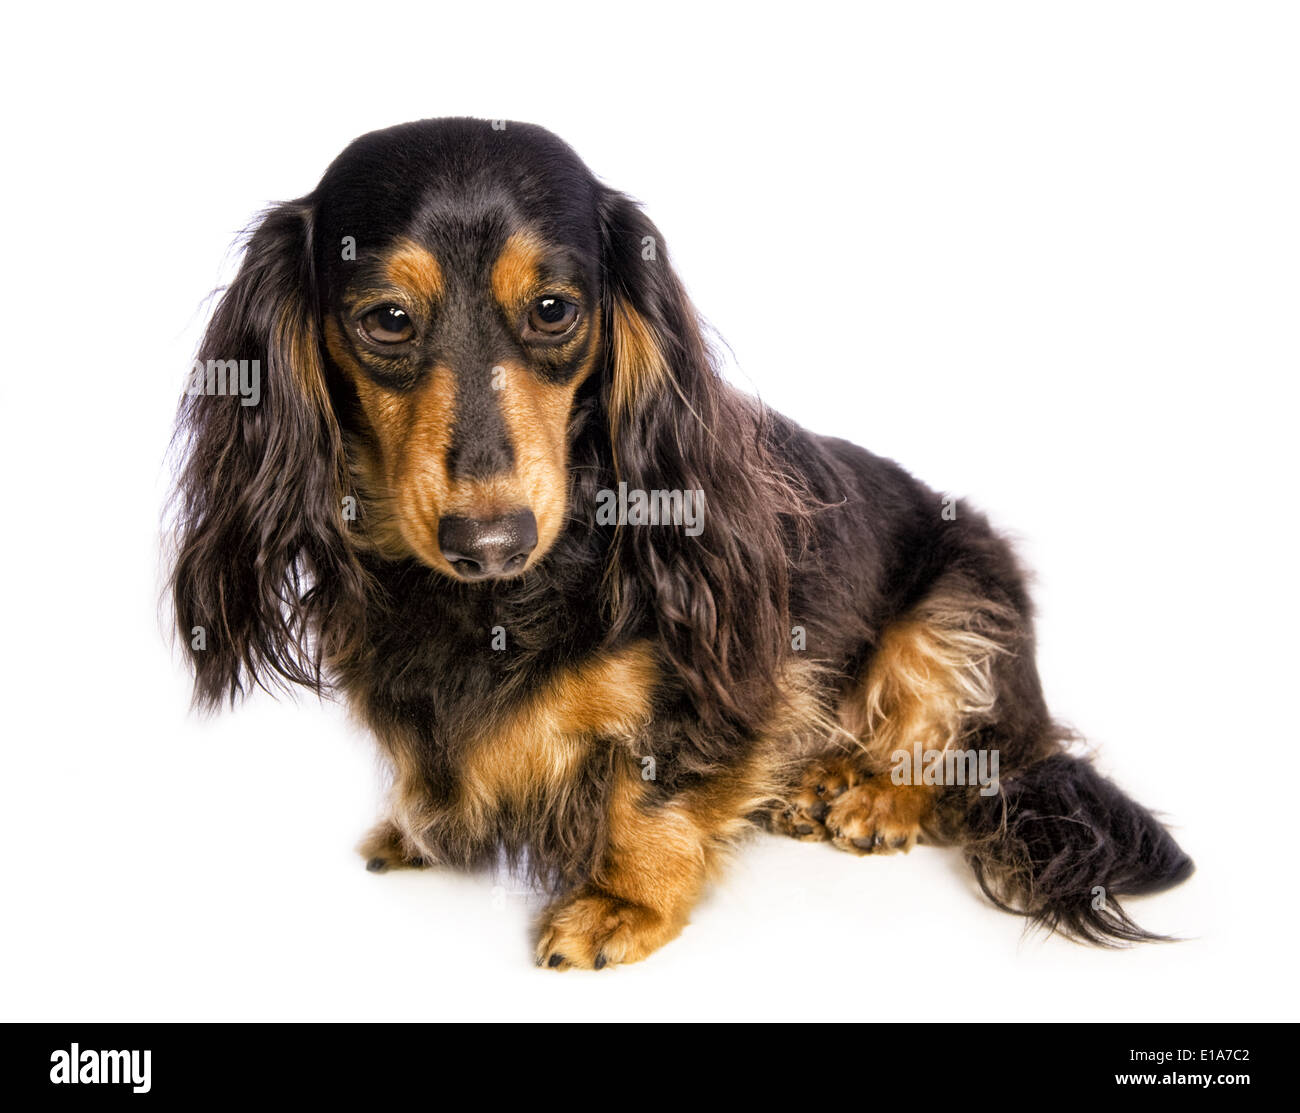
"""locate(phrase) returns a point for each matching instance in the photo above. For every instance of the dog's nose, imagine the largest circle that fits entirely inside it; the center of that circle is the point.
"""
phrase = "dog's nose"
(480, 548)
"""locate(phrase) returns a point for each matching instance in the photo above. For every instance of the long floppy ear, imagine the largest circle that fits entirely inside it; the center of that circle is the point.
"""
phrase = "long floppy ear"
(718, 595)
(265, 581)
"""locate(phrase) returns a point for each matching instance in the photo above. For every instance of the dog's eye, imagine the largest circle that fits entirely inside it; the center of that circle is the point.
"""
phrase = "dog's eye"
(549, 318)
(387, 325)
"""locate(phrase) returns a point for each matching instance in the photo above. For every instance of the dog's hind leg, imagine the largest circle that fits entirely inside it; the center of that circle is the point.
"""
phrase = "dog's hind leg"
(952, 688)
(928, 688)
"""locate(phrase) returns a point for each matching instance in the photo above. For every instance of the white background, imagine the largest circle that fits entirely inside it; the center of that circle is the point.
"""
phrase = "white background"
(1044, 254)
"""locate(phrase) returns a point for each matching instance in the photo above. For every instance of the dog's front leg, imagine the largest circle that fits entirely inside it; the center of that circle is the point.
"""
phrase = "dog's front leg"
(657, 858)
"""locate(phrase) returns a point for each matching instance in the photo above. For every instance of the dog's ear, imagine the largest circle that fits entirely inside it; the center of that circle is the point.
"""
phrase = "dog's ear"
(718, 593)
(265, 581)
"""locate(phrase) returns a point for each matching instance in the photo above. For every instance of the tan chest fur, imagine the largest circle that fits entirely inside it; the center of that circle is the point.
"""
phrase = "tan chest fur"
(534, 749)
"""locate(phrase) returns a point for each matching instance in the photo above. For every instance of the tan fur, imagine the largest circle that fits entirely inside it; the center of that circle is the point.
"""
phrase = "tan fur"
(294, 334)
(930, 679)
(411, 811)
(535, 749)
(878, 815)
(659, 857)
(385, 848)
(515, 274)
(537, 417)
(858, 810)
(640, 370)
(400, 466)
(528, 752)
(414, 268)
(661, 854)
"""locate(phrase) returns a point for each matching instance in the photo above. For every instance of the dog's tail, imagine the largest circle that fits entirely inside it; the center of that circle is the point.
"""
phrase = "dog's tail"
(1060, 844)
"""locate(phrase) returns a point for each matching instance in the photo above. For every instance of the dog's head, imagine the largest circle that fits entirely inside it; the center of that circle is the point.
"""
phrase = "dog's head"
(459, 295)
(425, 336)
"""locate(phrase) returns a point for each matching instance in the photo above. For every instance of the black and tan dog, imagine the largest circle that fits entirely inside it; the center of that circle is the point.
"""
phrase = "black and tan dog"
(469, 350)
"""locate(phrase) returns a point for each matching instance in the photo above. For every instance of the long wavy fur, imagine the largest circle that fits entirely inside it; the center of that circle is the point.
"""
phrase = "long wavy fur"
(263, 566)
(1061, 844)
(801, 529)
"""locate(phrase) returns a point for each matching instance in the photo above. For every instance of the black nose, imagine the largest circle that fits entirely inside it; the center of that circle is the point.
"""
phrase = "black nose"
(480, 548)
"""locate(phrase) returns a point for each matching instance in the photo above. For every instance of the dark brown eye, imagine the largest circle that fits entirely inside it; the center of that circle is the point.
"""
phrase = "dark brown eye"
(549, 318)
(387, 325)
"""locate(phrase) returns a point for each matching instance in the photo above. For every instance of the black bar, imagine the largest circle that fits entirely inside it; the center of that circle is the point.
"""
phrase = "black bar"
(1030, 1062)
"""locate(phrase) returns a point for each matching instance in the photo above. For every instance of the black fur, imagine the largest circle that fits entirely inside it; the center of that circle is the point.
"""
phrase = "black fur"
(1060, 822)
(801, 530)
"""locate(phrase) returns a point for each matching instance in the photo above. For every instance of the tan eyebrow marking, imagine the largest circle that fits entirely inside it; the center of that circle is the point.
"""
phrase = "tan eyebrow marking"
(515, 273)
(414, 268)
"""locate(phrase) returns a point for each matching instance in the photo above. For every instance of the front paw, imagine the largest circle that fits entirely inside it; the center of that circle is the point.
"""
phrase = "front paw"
(592, 930)
(385, 849)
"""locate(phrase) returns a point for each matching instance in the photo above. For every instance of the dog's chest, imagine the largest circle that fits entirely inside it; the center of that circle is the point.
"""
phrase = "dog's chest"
(534, 747)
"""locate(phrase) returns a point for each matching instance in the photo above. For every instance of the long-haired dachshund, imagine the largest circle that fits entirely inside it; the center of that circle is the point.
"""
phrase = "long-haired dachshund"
(456, 446)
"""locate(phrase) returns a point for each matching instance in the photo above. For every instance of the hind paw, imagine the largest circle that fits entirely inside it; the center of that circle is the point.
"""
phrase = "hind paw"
(855, 810)
(877, 816)
(804, 814)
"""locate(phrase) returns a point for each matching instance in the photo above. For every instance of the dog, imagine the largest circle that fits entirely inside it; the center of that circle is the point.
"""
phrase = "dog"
(603, 612)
